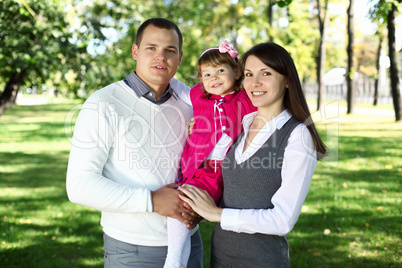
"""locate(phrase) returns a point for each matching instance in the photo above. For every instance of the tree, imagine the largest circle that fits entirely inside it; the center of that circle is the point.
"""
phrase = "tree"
(270, 16)
(351, 95)
(386, 11)
(34, 42)
(395, 88)
(323, 18)
(299, 37)
(377, 77)
(45, 48)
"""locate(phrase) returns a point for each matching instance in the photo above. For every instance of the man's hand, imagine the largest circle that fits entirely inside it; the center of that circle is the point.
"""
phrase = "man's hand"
(167, 203)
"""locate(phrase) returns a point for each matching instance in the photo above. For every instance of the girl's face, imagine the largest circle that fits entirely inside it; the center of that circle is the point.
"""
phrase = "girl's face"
(264, 86)
(219, 79)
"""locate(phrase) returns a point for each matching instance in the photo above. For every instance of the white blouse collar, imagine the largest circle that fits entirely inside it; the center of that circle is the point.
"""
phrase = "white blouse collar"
(278, 121)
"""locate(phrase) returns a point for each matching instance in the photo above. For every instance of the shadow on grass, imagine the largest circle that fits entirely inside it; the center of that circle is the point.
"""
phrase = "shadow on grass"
(351, 242)
(34, 169)
(65, 242)
(39, 227)
(366, 147)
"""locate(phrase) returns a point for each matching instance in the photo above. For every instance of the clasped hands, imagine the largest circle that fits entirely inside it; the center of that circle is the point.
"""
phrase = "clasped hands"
(167, 203)
(201, 202)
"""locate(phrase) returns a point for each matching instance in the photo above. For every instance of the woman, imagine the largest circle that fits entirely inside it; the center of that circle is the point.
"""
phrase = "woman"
(267, 172)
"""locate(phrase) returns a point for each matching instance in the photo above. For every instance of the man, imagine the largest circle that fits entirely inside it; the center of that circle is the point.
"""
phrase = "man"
(126, 149)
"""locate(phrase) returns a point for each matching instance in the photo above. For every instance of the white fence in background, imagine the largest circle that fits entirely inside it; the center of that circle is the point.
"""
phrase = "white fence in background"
(364, 91)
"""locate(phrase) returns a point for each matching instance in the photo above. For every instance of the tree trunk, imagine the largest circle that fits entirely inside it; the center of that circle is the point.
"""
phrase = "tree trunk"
(351, 96)
(377, 80)
(270, 18)
(9, 95)
(322, 55)
(396, 94)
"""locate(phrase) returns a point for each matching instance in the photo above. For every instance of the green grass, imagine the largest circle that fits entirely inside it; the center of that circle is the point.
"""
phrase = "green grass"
(351, 218)
(39, 227)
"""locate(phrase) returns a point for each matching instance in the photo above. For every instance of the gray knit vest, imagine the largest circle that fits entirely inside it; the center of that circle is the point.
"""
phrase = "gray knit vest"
(251, 185)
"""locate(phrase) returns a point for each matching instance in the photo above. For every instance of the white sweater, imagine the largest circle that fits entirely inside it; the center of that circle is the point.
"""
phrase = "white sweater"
(123, 148)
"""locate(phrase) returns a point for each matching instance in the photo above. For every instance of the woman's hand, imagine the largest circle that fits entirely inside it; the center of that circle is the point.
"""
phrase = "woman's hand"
(201, 202)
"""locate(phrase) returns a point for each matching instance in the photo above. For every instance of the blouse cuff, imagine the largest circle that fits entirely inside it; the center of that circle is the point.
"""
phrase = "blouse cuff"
(229, 219)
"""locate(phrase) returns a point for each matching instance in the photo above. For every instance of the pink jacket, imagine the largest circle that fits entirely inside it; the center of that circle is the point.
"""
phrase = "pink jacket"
(212, 114)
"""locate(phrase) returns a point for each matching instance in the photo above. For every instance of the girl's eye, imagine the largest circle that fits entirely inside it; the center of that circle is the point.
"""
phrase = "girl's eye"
(221, 71)
(266, 73)
(248, 75)
(206, 75)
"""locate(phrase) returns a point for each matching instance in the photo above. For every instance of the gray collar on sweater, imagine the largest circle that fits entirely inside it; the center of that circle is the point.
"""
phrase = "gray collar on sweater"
(142, 90)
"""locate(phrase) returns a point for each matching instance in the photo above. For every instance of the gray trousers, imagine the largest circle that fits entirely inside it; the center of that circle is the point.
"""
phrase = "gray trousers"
(120, 254)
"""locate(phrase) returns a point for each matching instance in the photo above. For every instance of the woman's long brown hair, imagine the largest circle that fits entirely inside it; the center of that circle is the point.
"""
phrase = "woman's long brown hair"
(276, 57)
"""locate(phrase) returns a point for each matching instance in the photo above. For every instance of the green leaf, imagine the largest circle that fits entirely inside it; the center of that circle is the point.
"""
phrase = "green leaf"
(283, 3)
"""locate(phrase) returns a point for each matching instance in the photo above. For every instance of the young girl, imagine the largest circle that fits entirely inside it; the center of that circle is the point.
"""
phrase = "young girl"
(218, 108)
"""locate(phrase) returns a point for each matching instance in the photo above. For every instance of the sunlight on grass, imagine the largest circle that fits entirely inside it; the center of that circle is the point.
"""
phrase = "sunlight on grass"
(10, 193)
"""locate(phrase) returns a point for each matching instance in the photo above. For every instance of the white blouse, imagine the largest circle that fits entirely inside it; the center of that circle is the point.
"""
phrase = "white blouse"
(298, 167)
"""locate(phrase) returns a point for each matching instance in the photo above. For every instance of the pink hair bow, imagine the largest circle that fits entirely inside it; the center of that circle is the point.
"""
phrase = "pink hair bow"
(226, 48)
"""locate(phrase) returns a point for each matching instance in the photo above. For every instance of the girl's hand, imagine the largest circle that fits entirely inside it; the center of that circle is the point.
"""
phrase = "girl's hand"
(201, 202)
(190, 126)
(191, 216)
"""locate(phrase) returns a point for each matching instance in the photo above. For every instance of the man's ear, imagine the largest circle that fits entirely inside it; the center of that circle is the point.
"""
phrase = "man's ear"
(180, 57)
(134, 51)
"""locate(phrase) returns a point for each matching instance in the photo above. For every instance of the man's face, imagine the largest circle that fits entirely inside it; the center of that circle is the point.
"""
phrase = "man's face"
(157, 57)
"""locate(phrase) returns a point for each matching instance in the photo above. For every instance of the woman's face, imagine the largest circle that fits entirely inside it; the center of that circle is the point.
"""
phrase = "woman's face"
(264, 86)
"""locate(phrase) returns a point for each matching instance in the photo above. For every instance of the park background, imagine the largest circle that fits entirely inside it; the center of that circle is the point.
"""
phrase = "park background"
(54, 54)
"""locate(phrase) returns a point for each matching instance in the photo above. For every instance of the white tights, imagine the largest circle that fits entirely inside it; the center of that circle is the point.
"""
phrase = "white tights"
(179, 244)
